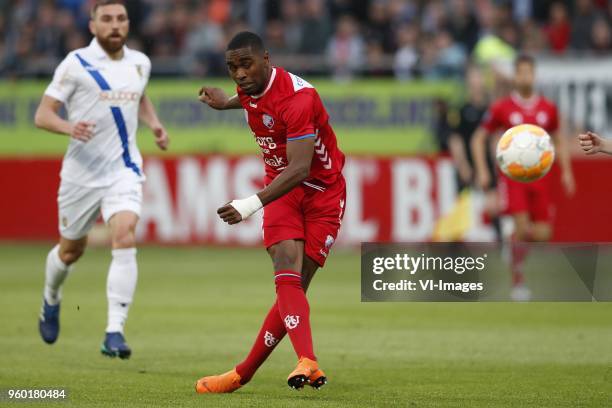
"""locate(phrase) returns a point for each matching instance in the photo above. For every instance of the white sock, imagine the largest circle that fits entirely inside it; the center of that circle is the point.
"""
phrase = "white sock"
(55, 274)
(120, 287)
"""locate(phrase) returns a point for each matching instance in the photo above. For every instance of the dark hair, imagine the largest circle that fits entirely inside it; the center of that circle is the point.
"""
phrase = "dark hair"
(246, 39)
(100, 3)
(524, 59)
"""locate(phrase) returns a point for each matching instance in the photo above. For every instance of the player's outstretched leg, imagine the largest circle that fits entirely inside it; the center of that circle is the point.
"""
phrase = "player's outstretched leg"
(57, 267)
(219, 384)
(121, 283)
(271, 333)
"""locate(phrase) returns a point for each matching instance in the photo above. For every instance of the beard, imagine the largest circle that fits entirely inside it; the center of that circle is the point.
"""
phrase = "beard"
(112, 43)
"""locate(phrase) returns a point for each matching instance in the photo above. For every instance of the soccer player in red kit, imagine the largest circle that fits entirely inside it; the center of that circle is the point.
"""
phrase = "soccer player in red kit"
(529, 204)
(303, 200)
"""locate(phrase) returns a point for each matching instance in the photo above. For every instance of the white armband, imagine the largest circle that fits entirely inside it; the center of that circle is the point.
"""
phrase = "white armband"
(248, 206)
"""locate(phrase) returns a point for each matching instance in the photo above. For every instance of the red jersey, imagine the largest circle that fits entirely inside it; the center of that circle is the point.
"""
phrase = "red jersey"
(535, 198)
(291, 109)
(514, 110)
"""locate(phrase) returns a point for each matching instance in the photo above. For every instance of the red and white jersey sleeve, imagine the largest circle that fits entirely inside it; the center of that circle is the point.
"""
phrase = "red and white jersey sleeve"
(289, 110)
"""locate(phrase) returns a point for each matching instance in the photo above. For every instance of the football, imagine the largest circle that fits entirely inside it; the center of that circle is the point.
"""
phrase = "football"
(525, 153)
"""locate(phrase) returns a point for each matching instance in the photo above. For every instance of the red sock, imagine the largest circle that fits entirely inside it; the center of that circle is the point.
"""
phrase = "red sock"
(294, 311)
(271, 333)
(519, 253)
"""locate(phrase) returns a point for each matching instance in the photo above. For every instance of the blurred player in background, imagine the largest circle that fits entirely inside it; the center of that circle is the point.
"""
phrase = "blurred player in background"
(303, 200)
(102, 88)
(529, 204)
(592, 143)
(463, 124)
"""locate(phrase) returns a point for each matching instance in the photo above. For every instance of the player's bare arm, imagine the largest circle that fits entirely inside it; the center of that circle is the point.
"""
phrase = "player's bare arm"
(47, 117)
(592, 143)
(147, 115)
(567, 175)
(217, 99)
(479, 153)
(299, 157)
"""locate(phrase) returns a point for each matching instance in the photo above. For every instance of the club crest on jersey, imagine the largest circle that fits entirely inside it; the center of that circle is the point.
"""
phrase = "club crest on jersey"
(542, 118)
(329, 241)
(291, 322)
(268, 121)
(516, 118)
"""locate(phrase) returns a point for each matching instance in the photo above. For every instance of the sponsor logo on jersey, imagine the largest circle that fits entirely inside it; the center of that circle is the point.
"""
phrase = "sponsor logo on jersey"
(265, 142)
(268, 121)
(269, 339)
(274, 161)
(291, 322)
(119, 96)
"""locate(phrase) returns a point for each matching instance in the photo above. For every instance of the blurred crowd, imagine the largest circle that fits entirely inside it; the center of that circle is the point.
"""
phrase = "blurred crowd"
(405, 38)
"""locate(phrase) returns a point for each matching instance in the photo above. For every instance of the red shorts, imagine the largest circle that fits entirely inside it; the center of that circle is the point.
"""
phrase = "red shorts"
(307, 214)
(534, 198)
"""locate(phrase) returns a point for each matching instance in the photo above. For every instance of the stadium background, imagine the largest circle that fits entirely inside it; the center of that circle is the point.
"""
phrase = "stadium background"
(391, 73)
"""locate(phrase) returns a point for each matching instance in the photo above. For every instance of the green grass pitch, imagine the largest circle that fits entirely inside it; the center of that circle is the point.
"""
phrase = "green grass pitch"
(197, 309)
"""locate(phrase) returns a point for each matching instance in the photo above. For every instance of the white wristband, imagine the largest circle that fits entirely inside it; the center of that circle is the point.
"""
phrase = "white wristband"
(248, 206)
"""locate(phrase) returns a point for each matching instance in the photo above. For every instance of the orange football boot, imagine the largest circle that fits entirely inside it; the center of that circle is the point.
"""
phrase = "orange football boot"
(307, 372)
(218, 384)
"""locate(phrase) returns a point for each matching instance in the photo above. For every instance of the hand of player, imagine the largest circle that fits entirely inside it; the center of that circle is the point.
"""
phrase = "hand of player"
(161, 137)
(483, 180)
(82, 131)
(229, 214)
(569, 184)
(213, 97)
(591, 142)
